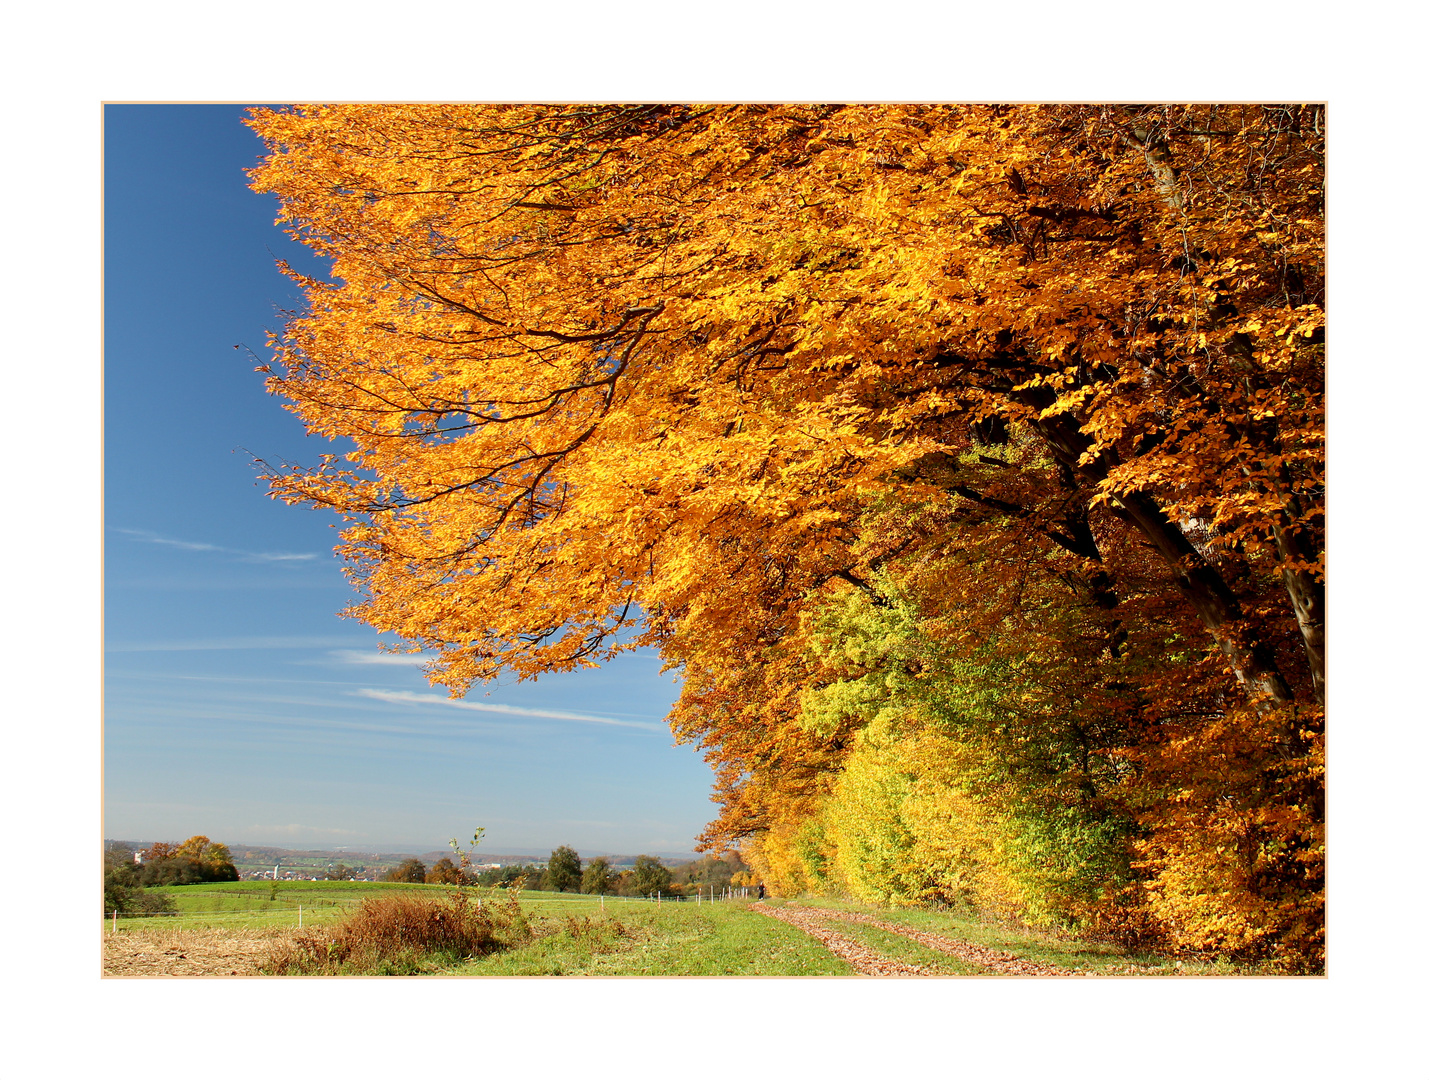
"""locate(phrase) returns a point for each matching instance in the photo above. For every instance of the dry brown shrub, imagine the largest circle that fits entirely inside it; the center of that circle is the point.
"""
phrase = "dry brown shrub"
(398, 935)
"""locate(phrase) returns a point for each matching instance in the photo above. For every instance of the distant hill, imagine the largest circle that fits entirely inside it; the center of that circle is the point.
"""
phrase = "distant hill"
(253, 854)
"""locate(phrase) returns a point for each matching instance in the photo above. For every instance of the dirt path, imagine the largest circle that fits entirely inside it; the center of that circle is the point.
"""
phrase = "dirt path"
(994, 960)
(863, 959)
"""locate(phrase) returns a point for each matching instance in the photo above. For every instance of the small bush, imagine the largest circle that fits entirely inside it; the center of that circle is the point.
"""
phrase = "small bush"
(402, 935)
(134, 900)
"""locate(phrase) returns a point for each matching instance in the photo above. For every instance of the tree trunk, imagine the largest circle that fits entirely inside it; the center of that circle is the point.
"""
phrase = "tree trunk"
(1307, 596)
(1199, 581)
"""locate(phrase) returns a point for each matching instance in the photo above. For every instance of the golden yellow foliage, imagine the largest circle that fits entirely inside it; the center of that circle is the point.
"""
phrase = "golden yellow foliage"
(604, 376)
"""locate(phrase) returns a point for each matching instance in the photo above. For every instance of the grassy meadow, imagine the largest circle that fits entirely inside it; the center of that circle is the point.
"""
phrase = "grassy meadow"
(561, 934)
(641, 938)
(255, 904)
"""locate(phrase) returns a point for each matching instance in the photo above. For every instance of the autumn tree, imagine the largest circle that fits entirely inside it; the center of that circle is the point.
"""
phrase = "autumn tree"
(1049, 377)
(197, 859)
(413, 871)
(528, 292)
(445, 872)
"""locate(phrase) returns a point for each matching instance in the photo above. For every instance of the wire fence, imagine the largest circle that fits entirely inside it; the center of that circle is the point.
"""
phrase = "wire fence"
(329, 909)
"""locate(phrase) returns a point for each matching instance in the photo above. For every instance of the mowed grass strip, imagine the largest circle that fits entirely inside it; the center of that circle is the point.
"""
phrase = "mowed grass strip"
(1099, 958)
(895, 947)
(655, 940)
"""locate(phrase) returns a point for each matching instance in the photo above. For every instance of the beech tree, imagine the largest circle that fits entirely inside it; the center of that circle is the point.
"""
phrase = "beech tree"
(586, 353)
(691, 376)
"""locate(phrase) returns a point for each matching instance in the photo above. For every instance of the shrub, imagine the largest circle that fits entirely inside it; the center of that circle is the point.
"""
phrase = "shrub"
(395, 935)
(133, 899)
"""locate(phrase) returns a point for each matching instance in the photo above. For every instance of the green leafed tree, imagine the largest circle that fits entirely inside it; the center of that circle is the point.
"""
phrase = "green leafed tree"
(122, 892)
(650, 876)
(563, 872)
(596, 877)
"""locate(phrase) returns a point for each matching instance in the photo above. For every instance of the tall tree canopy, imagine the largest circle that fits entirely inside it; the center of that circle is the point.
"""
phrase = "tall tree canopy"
(1042, 378)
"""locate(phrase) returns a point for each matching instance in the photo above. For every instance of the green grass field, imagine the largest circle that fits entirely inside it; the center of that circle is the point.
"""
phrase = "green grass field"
(640, 938)
(261, 903)
(582, 935)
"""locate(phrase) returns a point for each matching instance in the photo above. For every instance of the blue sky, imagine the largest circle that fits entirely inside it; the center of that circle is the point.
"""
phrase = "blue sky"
(237, 703)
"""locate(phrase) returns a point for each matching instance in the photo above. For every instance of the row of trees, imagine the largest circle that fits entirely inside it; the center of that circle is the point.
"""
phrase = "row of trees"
(197, 859)
(563, 872)
(967, 462)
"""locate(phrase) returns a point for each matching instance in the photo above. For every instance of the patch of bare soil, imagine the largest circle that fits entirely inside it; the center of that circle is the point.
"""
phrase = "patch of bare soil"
(995, 961)
(189, 953)
(860, 957)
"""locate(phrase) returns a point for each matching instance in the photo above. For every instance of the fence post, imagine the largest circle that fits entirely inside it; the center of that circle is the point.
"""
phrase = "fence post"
(115, 930)
(300, 916)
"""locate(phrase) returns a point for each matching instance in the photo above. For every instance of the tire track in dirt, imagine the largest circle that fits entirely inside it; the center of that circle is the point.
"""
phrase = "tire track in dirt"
(994, 960)
(860, 957)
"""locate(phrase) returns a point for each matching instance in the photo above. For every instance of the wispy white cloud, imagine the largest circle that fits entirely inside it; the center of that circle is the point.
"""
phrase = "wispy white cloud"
(358, 656)
(148, 537)
(226, 643)
(408, 697)
(245, 723)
